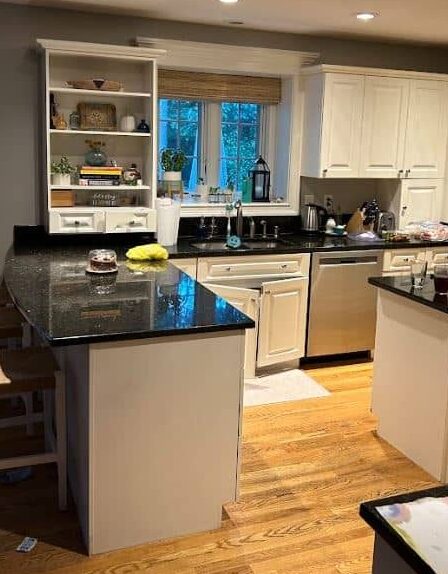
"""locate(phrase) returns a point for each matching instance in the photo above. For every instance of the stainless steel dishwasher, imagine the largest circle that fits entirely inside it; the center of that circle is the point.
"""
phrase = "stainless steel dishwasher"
(342, 311)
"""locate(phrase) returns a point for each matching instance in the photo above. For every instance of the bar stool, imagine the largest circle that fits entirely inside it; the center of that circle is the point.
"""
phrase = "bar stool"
(26, 371)
(13, 328)
(5, 299)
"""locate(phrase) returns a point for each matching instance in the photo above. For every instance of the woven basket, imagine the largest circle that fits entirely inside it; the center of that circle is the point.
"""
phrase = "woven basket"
(96, 84)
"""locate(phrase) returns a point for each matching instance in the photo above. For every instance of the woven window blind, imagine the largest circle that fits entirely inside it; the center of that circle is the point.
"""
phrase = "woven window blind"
(218, 87)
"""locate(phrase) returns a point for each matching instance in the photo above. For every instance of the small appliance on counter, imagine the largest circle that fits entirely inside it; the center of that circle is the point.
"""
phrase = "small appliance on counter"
(384, 221)
(313, 218)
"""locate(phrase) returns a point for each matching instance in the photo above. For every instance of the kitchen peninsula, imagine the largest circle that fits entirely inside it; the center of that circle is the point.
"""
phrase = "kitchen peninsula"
(410, 384)
(153, 430)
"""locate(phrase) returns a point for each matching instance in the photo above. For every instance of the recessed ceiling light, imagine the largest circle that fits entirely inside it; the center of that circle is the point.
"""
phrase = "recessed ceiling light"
(365, 16)
(229, 1)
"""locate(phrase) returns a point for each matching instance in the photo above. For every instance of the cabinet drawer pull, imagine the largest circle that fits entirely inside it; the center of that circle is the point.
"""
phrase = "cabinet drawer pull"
(400, 172)
(228, 269)
(76, 222)
(408, 171)
(284, 266)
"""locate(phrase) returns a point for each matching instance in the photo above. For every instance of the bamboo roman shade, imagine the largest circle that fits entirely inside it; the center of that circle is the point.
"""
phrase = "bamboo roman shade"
(219, 87)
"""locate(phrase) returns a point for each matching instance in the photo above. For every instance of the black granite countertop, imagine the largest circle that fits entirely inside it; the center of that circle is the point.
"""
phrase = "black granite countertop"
(369, 512)
(66, 306)
(402, 286)
(296, 244)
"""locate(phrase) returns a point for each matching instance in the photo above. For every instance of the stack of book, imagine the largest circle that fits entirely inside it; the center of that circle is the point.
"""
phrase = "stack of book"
(100, 176)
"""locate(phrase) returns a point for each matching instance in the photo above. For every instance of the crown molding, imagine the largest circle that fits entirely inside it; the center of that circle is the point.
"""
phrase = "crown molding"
(223, 58)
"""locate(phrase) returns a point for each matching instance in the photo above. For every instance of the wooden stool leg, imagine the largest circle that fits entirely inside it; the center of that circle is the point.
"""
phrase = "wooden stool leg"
(27, 335)
(27, 399)
(61, 439)
(48, 419)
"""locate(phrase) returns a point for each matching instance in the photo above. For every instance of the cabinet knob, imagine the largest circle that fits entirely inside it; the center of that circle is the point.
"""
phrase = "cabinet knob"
(408, 171)
(403, 209)
(284, 266)
(132, 222)
(400, 172)
(228, 269)
(324, 171)
(76, 222)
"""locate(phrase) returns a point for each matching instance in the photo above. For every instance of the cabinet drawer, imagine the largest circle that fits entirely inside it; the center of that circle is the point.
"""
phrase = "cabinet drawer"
(76, 222)
(437, 257)
(253, 266)
(188, 266)
(400, 259)
(129, 221)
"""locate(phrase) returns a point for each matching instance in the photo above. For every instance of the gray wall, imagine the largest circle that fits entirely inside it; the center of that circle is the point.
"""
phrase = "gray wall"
(19, 93)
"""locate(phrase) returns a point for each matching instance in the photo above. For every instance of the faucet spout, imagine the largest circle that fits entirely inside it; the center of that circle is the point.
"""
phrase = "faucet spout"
(239, 217)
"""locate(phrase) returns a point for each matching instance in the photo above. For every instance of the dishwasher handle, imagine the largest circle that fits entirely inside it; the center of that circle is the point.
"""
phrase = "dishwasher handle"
(336, 261)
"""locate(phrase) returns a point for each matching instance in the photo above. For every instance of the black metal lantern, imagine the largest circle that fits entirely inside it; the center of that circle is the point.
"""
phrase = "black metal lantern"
(260, 177)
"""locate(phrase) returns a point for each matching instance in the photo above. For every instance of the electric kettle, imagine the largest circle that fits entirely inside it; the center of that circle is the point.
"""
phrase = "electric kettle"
(313, 218)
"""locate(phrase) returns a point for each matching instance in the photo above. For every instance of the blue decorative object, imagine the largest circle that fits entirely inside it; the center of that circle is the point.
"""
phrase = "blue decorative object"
(96, 157)
(234, 242)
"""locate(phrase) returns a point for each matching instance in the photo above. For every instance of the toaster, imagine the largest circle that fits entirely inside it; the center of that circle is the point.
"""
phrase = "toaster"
(385, 221)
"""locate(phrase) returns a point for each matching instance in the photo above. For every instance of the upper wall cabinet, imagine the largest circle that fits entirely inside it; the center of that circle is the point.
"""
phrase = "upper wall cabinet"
(383, 126)
(341, 125)
(426, 133)
(376, 124)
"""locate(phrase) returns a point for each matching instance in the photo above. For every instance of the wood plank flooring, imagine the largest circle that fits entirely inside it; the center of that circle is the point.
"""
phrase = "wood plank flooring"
(307, 465)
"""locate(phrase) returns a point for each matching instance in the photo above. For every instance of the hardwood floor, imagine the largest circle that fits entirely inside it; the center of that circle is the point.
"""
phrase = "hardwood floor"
(307, 465)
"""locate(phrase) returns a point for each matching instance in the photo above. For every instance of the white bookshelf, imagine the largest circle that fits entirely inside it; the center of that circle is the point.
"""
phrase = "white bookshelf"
(136, 69)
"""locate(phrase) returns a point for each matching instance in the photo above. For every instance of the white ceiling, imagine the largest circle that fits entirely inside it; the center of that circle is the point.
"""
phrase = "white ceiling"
(409, 20)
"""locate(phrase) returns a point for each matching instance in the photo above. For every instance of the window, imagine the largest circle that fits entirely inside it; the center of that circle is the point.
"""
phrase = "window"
(221, 140)
(240, 142)
(180, 127)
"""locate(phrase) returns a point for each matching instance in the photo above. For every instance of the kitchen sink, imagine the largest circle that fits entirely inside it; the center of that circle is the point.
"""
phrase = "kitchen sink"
(214, 246)
(264, 243)
(249, 244)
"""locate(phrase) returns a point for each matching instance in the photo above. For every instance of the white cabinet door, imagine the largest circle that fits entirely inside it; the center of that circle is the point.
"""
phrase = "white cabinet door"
(247, 301)
(341, 128)
(420, 200)
(281, 333)
(188, 266)
(384, 127)
(426, 133)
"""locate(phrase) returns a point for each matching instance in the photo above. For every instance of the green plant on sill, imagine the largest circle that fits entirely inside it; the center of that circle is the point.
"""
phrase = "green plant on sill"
(63, 166)
(230, 185)
(173, 159)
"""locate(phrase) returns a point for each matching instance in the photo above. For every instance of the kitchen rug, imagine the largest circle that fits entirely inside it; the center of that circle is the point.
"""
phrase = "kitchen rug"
(291, 385)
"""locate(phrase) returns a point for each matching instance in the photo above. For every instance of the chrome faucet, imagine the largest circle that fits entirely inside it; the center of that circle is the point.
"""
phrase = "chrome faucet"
(239, 217)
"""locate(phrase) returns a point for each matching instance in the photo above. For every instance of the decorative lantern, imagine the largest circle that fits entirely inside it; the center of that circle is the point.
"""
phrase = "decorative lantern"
(260, 177)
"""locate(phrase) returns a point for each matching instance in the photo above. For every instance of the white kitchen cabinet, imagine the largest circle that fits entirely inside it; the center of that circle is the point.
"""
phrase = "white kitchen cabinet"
(420, 200)
(398, 261)
(188, 266)
(76, 221)
(281, 334)
(373, 123)
(136, 220)
(384, 127)
(341, 127)
(248, 302)
(426, 132)
(332, 125)
(436, 256)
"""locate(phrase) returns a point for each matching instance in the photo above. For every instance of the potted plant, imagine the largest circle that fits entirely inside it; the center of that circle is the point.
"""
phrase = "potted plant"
(172, 162)
(61, 171)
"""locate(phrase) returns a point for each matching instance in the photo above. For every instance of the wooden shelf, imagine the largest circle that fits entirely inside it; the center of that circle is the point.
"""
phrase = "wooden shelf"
(101, 133)
(90, 208)
(100, 93)
(101, 187)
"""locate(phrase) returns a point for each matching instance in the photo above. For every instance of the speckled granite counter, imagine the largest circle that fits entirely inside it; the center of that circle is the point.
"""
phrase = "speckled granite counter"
(67, 306)
(402, 286)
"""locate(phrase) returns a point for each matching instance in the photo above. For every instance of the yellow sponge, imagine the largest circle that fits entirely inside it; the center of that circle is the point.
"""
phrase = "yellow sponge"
(152, 251)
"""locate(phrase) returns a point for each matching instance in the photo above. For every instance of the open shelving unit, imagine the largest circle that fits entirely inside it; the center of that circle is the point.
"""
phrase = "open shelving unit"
(133, 207)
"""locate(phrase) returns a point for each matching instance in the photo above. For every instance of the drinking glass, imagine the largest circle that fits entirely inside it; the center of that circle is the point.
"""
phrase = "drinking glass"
(418, 273)
(441, 279)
